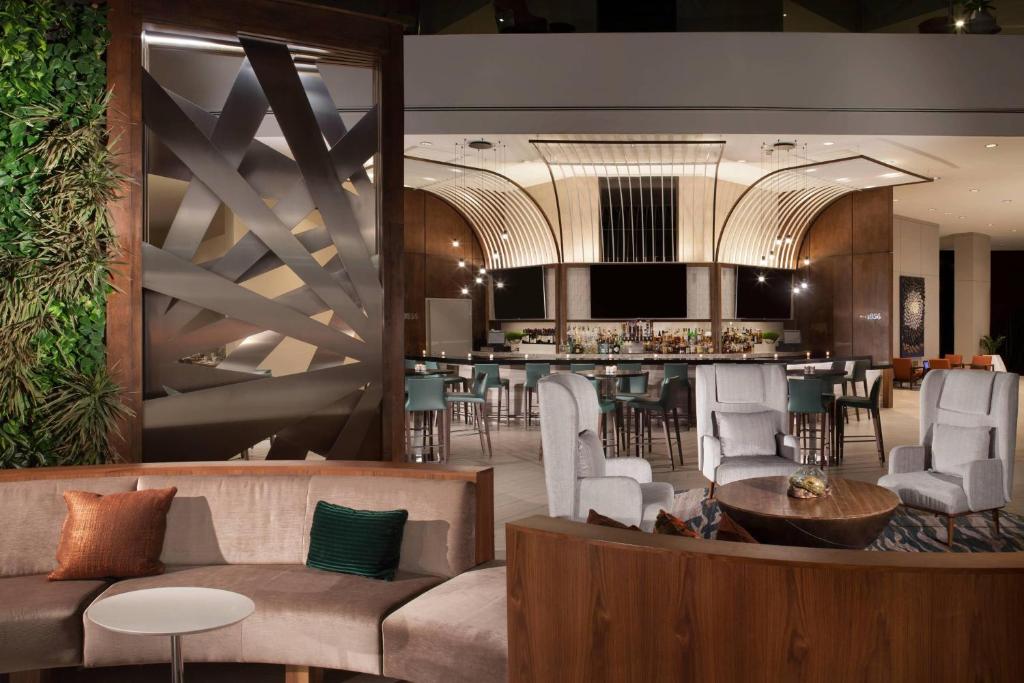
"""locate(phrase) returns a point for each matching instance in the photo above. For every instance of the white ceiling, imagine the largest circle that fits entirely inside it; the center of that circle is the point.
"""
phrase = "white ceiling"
(960, 164)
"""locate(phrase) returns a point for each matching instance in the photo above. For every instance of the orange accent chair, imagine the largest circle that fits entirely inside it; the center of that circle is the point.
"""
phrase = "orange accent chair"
(955, 360)
(982, 363)
(903, 371)
(938, 364)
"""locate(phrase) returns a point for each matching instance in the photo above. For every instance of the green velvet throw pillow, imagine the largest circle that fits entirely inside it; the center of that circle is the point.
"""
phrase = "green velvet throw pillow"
(361, 542)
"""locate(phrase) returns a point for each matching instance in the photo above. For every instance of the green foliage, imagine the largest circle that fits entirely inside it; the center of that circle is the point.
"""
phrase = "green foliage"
(991, 344)
(57, 401)
(770, 335)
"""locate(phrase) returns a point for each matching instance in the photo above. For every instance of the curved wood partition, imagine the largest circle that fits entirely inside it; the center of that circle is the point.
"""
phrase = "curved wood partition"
(588, 603)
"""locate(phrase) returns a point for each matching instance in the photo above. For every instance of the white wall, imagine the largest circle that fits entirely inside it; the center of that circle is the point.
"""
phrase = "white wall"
(806, 83)
(973, 289)
(915, 252)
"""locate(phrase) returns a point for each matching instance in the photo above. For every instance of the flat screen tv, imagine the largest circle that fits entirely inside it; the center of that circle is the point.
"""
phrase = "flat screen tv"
(763, 293)
(521, 294)
(631, 291)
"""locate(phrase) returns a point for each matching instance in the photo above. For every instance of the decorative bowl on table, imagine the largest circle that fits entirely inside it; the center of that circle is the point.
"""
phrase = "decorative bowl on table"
(809, 481)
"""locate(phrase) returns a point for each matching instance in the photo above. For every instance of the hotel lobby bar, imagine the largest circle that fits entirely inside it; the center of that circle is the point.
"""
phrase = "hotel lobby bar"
(507, 340)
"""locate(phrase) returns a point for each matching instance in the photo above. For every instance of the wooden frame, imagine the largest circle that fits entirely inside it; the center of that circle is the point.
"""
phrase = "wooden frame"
(589, 603)
(292, 20)
(951, 519)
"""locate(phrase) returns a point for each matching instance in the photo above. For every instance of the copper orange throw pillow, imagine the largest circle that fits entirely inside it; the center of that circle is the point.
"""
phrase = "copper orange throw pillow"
(118, 535)
(669, 524)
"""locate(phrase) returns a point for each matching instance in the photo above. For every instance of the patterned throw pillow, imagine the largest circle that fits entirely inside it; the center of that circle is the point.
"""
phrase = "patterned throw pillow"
(118, 535)
(360, 542)
(594, 517)
(670, 525)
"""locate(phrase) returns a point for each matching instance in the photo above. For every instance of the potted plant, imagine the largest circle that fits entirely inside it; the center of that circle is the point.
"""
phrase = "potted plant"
(513, 339)
(979, 16)
(770, 337)
(990, 345)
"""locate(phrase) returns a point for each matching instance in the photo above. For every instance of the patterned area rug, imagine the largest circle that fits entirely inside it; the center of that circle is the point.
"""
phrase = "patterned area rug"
(910, 530)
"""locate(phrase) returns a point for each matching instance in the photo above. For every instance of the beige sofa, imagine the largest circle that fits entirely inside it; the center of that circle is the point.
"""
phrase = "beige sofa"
(245, 527)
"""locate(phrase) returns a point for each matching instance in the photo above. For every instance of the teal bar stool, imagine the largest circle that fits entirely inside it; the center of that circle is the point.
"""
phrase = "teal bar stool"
(809, 401)
(870, 403)
(671, 399)
(534, 373)
(425, 404)
(495, 381)
(627, 389)
(682, 371)
(582, 367)
(607, 406)
(475, 402)
(410, 364)
(858, 375)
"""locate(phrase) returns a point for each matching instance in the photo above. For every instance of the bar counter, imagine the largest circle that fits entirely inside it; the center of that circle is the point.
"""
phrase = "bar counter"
(515, 359)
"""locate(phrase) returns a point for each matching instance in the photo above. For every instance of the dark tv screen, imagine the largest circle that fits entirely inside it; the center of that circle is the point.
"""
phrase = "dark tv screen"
(768, 300)
(521, 295)
(637, 291)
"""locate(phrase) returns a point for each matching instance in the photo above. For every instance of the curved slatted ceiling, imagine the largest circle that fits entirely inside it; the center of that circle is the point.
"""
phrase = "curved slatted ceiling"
(632, 174)
(770, 219)
(512, 228)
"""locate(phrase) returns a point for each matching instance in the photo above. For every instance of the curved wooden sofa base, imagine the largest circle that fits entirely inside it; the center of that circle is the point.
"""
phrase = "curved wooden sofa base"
(588, 603)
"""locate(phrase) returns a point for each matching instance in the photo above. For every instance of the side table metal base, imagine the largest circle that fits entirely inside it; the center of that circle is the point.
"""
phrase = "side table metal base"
(177, 664)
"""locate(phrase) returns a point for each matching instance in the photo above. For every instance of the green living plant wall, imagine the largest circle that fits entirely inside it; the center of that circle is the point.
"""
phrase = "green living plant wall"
(57, 401)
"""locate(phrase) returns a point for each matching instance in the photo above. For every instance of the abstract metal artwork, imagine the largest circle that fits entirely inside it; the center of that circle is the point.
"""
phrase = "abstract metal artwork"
(267, 324)
(911, 316)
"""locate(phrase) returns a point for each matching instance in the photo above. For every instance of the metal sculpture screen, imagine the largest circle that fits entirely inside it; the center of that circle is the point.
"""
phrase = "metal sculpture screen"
(911, 316)
(263, 301)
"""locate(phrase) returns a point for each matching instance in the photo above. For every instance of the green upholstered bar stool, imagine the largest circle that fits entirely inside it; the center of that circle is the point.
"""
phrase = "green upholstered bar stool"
(424, 406)
(870, 403)
(608, 407)
(534, 373)
(582, 367)
(671, 399)
(627, 389)
(495, 381)
(475, 402)
(857, 375)
(809, 401)
(682, 371)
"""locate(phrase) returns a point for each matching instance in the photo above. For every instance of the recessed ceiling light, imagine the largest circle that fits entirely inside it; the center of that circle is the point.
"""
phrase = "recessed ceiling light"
(893, 174)
(894, 200)
(973, 189)
(1007, 201)
(426, 143)
(869, 187)
(991, 145)
(426, 177)
(936, 177)
(933, 209)
(961, 217)
(947, 213)
(811, 170)
(990, 225)
(842, 180)
(1014, 230)
(741, 161)
(828, 144)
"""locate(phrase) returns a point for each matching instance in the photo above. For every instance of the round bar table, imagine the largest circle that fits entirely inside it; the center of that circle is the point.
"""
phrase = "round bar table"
(852, 516)
(173, 611)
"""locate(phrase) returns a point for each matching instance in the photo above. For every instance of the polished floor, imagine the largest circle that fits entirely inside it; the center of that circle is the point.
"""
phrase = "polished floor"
(519, 475)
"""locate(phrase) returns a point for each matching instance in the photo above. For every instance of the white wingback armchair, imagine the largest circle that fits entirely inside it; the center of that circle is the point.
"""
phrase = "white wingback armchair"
(578, 476)
(964, 461)
(729, 388)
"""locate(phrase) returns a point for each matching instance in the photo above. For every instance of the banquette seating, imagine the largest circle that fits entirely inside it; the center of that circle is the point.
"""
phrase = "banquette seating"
(245, 527)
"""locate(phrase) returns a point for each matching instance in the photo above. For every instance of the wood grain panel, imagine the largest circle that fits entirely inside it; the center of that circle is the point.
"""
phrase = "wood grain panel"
(830, 233)
(872, 218)
(871, 281)
(587, 603)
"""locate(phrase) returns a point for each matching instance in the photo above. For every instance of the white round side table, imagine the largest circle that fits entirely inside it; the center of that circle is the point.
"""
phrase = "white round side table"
(173, 612)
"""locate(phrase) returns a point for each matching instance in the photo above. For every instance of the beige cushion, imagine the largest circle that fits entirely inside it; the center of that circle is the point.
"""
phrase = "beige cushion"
(954, 447)
(455, 633)
(41, 621)
(303, 617)
(31, 515)
(234, 519)
(439, 536)
(745, 434)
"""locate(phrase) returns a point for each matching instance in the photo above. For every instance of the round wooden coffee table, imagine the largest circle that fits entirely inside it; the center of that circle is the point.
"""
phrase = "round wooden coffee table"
(852, 516)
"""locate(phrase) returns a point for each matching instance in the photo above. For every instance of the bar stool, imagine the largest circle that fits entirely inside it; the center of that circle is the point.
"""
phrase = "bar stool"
(607, 406)
(495, 381)
(682, 371)
(857, 375)
(477, 399)
(627, 389)
(671, 399)
(534, 372)
(871, 404)
(808, 401)
(425, 402)
(410, 364)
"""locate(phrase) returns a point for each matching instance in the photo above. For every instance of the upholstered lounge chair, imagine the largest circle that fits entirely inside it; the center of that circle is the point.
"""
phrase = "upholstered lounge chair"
(964, 462)
(577, 475)
(728, 389)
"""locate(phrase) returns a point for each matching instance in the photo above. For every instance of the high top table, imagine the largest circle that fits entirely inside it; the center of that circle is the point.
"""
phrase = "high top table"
(170, 612)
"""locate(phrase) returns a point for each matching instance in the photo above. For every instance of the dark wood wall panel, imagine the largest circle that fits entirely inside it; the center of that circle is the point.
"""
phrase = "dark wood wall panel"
(848, 309)
(588, 603)
(432, 268)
